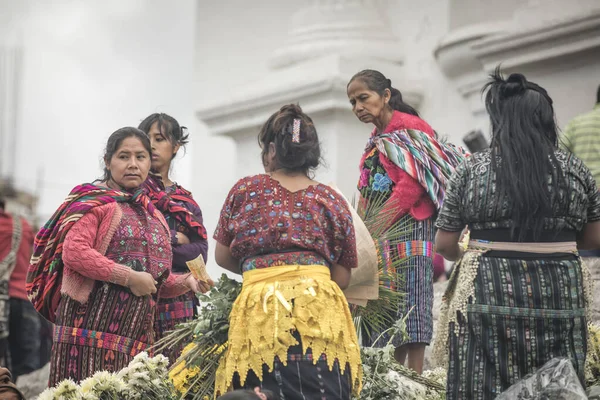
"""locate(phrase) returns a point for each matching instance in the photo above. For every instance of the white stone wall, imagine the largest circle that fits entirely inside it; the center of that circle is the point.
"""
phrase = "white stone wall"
(439, 58)
(226, 64)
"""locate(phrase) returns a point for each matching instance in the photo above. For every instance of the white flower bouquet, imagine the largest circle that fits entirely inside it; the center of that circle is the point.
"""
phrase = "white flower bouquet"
(385, 379)
(144, 378)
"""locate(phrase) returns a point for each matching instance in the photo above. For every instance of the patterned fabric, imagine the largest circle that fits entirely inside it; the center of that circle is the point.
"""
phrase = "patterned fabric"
(472, 198)
(183, 309)
(114, 325)
(275, 307)
(178, 206)
(172, 312)
(170, 204)
(46, 269)
(101, 340)
(404, 169)
(523, 310)
(582, 137)
(416, 248)
(279, 259)
(302, 377)
(522, 315)
(415, 279)
(424, 158)
(265, 226)
(260, 217)
(374, 177)
(198, 246)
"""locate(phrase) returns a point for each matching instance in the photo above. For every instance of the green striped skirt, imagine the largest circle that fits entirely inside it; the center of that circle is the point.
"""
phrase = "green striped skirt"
(523, 313)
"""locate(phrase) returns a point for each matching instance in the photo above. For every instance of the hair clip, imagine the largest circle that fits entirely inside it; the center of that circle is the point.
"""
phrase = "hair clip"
(296, 131)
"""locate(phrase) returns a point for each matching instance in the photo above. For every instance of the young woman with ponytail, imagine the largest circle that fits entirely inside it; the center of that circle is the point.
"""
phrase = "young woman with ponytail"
(182, 213)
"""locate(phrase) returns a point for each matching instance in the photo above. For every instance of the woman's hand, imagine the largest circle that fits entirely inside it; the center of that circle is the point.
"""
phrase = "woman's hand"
(141, 283)
(197, 286)
(182, 238)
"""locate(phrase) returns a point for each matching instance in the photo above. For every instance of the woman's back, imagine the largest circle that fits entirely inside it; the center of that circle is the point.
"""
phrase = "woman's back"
(519, 290)
(261, 216)
(293, 239)
(478, 201)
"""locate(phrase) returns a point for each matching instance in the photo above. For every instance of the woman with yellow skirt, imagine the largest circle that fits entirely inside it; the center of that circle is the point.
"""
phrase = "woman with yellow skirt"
(293, 240)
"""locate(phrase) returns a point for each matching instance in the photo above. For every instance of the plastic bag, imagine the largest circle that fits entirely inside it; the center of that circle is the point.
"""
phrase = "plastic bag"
(557, 379)
(593, 393)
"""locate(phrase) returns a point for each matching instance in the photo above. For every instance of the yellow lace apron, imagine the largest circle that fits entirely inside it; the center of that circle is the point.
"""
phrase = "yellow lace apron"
(276, 301)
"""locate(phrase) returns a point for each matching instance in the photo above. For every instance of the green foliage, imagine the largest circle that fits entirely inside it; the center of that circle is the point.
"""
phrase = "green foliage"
(206, 339)
(381, 219)
(592, 362)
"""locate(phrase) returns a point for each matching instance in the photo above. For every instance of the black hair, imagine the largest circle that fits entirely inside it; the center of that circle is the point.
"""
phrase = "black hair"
(303, 156)
(377, 82)
(246, 394)
(115, 140)
(598, 95)
(2, 204)
(168, 126)
(524, 141)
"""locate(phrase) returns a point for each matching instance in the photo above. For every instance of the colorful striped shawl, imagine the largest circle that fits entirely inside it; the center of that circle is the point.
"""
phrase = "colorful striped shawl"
(169, 204)
(425, 159)
(46, 268)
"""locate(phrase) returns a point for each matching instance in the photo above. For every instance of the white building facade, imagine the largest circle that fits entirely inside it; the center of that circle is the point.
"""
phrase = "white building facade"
(253, 58)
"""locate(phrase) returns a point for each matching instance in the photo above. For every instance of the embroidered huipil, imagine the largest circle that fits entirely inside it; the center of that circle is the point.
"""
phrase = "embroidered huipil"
(113, 325)
(289, 304)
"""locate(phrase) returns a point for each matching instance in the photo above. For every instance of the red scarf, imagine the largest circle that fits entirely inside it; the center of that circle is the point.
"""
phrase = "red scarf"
(169, 203)
(46, 268)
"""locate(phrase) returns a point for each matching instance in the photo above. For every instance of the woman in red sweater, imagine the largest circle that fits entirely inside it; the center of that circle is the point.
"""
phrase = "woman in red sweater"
(108, 250)
(404, 167)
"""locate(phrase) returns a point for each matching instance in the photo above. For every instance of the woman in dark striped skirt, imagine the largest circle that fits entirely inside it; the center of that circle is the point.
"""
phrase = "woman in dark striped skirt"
(404, 169)
(517, 297)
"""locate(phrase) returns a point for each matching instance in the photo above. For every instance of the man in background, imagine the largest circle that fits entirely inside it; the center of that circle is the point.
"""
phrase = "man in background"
(21, 344)
(582, 138)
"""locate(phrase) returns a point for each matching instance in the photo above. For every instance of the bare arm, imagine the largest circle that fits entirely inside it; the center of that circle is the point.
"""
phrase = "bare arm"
(589, 239)
(446, 244)
(340, 275)
(225, 259)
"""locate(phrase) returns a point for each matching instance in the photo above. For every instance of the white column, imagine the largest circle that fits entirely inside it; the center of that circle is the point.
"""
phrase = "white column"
(538, 13)
(535, 39)
(327, 42)
(341, 27)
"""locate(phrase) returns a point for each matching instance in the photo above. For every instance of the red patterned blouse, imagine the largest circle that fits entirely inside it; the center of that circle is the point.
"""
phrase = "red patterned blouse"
(262, 217)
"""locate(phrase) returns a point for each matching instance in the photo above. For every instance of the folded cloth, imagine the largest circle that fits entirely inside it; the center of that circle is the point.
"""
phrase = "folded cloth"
(364, 281)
